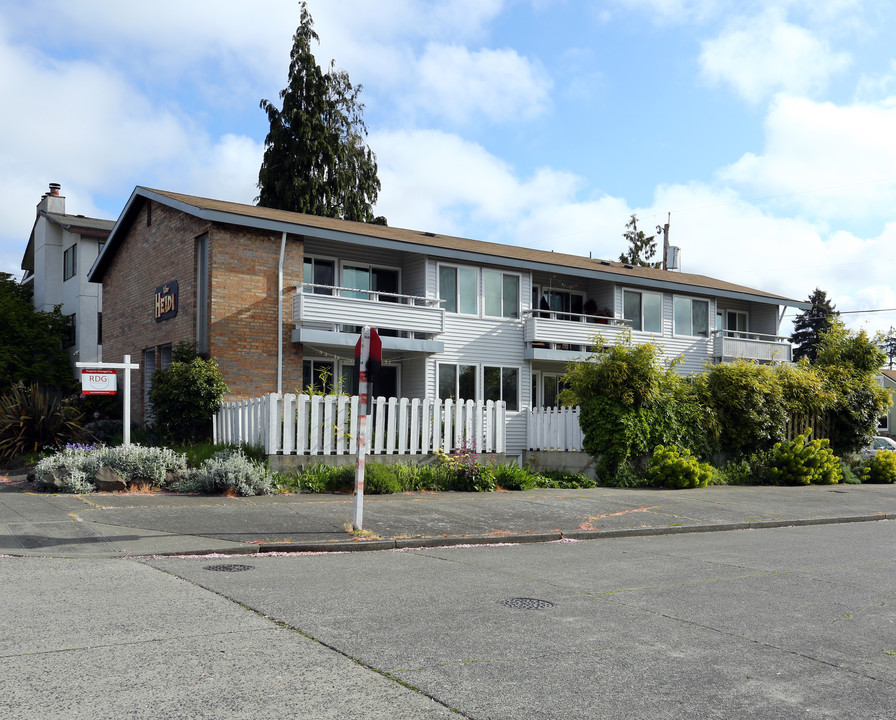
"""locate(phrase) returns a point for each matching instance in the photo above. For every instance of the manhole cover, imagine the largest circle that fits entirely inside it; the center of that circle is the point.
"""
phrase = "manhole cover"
(229, 567)
(526, 603)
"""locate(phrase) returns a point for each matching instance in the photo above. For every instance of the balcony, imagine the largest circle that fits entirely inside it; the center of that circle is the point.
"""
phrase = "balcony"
(327, 315)
(732, 345)
(565, 336)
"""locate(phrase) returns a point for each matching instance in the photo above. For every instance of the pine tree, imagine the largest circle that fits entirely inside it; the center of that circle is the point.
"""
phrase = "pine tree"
(316, 159)
(641, 248)
(811, 324)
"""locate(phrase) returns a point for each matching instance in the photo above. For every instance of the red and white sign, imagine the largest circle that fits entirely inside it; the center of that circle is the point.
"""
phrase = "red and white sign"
(99, 382)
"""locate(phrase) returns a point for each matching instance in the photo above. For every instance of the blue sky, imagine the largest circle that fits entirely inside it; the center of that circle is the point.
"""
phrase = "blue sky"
(766, 128)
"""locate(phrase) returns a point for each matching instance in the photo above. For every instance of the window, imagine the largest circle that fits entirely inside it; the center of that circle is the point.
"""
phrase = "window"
(643, 310)
(557, 304)
(501, 294)
(883, 423)
(319, 272)
(318, 375)
(99, 328)
(70, 263)
(71, 334)
(202, 293)
(457, 382)
(734, 320)
(551, 385)
(502, 383)
(458, 289)
(385, 384)
(691, 316)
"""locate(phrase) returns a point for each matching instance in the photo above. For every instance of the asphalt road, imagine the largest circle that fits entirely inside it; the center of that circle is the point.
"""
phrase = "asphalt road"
(774, 623)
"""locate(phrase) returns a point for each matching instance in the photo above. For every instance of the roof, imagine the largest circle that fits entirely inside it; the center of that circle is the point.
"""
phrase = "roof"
(889, 374)
(442, 246)
(78, 224)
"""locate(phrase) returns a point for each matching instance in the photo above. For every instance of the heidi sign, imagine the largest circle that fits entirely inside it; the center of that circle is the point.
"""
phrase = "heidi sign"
(99, 382)
(165, 301)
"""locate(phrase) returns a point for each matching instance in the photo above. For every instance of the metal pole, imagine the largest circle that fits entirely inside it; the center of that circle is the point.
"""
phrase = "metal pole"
(358, 520)
(126, 420)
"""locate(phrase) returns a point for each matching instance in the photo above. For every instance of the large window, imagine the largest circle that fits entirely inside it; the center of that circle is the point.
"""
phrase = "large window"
(643, 310)
(458, 289)
(71, 332)
(501, 294)
(70, 262)
(691, 316)
(457, 382)
(502, 383)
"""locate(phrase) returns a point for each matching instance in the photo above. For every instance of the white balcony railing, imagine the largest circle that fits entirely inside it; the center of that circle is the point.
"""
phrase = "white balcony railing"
(559, 328)
(329, 306)
(731, 344)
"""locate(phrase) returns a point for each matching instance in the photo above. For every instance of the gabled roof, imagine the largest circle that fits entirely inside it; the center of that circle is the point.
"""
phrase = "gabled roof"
(78, 224)
(889, 374)
(441, 246)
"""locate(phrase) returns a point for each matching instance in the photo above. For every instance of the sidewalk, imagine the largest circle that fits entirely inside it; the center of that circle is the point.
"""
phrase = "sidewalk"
(122, 525)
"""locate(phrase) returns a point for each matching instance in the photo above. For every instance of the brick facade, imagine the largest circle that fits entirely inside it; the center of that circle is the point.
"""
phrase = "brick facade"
(160, 246)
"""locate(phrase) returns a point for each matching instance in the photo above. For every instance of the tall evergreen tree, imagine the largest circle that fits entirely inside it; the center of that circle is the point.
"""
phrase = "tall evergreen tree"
(641, 248)
(811, 324)
(316, 159)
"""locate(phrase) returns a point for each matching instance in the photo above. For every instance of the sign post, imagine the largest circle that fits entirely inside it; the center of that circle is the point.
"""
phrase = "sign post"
(100, 379)
(368, 358)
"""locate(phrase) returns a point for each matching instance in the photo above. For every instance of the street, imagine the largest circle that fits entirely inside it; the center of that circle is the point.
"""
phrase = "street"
(773, 623)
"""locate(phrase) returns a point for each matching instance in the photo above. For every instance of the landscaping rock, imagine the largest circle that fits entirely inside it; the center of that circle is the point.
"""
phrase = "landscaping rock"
(107, 480)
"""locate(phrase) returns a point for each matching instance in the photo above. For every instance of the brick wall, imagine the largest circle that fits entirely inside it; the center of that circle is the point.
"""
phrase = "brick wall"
(243, 288)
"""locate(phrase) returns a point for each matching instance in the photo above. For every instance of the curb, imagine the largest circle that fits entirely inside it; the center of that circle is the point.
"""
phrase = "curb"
(524, 538)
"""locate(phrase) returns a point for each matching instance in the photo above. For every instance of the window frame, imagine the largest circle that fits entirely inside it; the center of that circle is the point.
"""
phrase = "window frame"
(70, 262)
(514, 314)
(515, 405)
(690, 300)
(457, 303)
(540, 291)
(641, 294)
(457, 380)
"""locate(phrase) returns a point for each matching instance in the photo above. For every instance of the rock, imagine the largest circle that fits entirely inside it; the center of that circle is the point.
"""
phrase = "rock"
(107, 480)
(171, 477)
(53, 480)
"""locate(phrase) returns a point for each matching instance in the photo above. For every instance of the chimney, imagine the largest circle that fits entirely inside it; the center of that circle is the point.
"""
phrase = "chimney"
(52, 201)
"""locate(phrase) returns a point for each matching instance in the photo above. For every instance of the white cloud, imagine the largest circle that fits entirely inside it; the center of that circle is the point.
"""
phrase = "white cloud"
(765, 54)
(459, 85)
(826, 160)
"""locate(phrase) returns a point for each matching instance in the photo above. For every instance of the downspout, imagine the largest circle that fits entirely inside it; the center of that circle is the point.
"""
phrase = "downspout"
(280, 315)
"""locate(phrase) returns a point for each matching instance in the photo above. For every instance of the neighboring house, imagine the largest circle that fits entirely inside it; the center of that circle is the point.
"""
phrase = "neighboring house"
(887, 424)
(60, 251)
(458, 318)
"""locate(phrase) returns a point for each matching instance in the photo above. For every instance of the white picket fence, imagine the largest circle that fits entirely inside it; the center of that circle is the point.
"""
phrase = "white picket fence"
(328, 425)
(555, 428)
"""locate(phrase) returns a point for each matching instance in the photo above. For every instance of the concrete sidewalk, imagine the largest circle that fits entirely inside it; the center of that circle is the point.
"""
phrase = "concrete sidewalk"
(123, 525)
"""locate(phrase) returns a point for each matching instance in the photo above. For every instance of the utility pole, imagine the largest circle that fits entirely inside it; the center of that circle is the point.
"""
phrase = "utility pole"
(665, 231)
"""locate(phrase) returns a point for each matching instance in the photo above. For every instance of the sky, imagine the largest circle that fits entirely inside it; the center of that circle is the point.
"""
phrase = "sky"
(763, 130)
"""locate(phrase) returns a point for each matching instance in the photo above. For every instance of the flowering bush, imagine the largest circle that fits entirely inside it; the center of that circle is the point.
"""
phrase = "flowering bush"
(470, 474)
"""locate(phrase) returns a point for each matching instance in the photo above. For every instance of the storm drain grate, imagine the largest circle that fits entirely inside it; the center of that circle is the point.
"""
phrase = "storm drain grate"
(229, 567)
(526, 603)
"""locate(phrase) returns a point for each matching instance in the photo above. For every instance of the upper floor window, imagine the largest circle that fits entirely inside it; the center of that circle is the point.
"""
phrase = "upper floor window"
(558, 304)
(319, 272)
(364, 277)
(644, 310)
(691, 316)
(735, 320)
(458, 289)
(501, 294)
(70, 262)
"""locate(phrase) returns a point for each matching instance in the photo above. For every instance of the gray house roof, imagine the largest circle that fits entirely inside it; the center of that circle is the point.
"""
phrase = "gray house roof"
(432, 244)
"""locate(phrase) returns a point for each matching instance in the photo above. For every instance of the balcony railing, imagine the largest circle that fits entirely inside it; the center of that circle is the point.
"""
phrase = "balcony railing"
(732, 344)
(328, 306)
(564, 329)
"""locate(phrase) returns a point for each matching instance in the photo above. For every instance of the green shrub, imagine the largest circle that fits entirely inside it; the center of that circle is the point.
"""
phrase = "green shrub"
(381, 479)
(670, 467)
(804, 462)
(750, 469)
(563, 479)
(470, 475)
(881, 468)
(319, 479)
(198, 452)
(849, 476)
(185, 395)
(33, 419)
(511, 476)
(227, 471)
